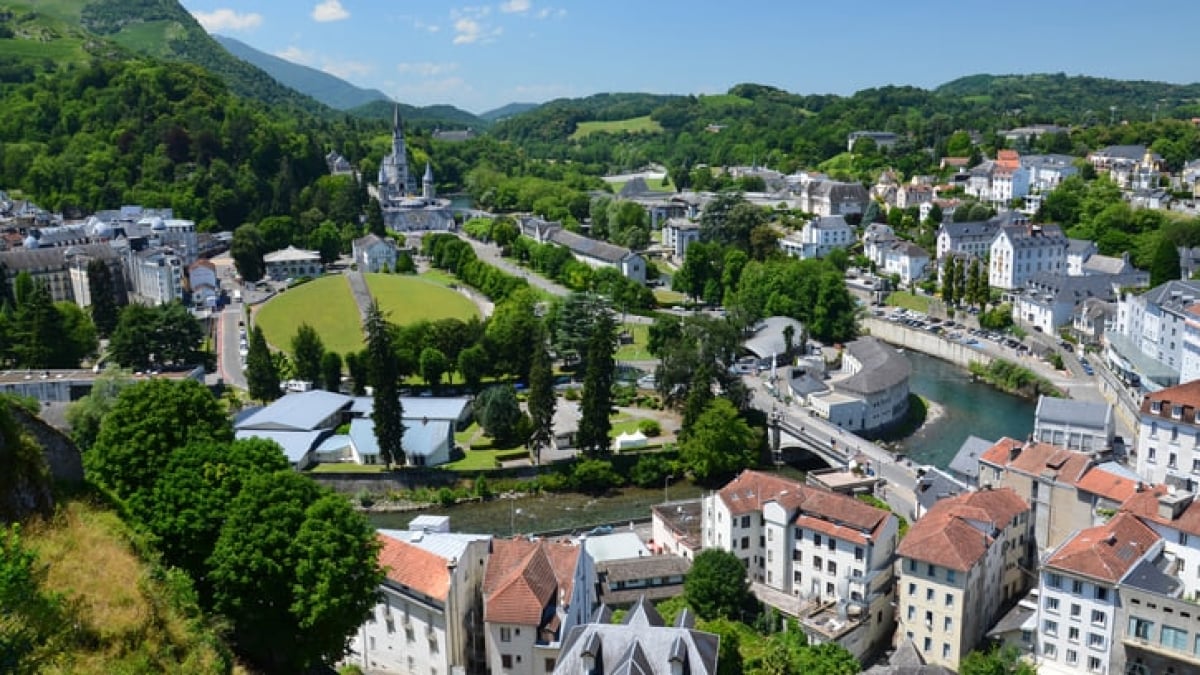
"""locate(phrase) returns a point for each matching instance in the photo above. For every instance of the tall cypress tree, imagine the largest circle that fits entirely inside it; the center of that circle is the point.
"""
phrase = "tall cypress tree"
(262, 376)
(383, 374)
(541, 397)
(38, 329)
(104, 297)
(596, 404)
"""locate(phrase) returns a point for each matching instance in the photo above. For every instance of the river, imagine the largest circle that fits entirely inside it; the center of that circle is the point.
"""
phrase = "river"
(969, 408)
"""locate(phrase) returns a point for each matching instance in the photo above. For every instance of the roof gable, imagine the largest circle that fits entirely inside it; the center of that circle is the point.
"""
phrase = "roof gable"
(1106, 552)
(414, 567)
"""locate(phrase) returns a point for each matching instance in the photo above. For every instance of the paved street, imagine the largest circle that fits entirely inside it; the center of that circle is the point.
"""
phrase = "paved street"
(229, 361)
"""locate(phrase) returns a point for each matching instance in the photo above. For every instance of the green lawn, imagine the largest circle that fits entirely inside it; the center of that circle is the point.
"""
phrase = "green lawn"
(152, 37)
(346, 467)
(325, 304)
(668, 297)
(917, 303)
(407, 299)
(637, 350)
(634, 124)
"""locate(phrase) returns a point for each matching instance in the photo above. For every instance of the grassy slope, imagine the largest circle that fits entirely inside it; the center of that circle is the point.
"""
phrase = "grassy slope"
(45, 29)
(133, 626)
(632, 125)
(326, 305)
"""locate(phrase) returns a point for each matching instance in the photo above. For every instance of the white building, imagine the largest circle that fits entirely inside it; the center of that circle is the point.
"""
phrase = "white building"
(970, 238)
(824, 197)
(960, 565)
(429, 616)
(1078, 591)
(818, 238)
(1149, 336)
(156, 275)
(818, 546)
(905, 259)
(292, 263)
(1022, 250)
(870, 392)
(374, 254)
(678, 234)
(876, 239)
(1047, 172)
(534, 594)
(1168, 428)
(1049, 301)
(1084, 426)
(203, 283)
(1174, 515)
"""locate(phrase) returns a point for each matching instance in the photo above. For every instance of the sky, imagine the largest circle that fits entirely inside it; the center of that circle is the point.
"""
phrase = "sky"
(484, 55)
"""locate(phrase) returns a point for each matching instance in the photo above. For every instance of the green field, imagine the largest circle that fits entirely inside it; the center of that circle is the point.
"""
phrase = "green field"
(636, 125)
(327, 305)
(151, 37)
(635, 351)
(916, 303)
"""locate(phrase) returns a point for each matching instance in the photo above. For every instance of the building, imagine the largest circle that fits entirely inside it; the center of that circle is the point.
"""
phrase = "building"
(1022, 250)
(1027, 134)
(906, 260)
(1066, 490)
(64, 269)
(534, 594)
(870, 392)
(203, 283)
(1168, 426)
(1174, 515)
(404, 208)
(1009, 178)
(961, 564)
(640, 645)
(156, 276)
(971, 238)
(884, 140)
(623, 582)
(595, 253)
(678, 234)
(876, 239)
(824, 197)
(1078, 588)
(818, 238)
(65, 386)
(429, 616)
(292, 263)
(1148, 340)
(775, 340)
(297, 422)
(1093, 318)
(914, 195)
(831, 552)
(1047, 172)
(1049, 300)
(676, 528)
(1078, 251)
(1157, 628)
(374, 254)
(1083, 426)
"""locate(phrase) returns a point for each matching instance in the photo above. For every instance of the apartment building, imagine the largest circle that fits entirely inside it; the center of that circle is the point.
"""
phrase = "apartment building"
(1168, 429)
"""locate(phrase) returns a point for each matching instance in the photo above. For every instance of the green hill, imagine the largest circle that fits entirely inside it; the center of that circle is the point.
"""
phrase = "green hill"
(50, 34)
(508, 110)
(332, 91)
(428, 117)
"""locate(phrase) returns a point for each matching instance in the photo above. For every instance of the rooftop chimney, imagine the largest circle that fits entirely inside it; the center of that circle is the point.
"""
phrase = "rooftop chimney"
(1172, 504)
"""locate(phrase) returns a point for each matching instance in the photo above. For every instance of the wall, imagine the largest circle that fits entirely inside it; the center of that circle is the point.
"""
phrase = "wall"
(924, 342)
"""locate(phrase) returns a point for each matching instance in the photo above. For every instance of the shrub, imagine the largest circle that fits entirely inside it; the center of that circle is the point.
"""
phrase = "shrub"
(571, 394)
(595, 476)
(650, 471)
(650, 428)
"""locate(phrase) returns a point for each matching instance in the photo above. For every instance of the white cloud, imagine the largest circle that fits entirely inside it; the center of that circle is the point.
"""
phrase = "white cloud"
(548, 12)
(295, 55)
(516, 6)
(426, 68)
(346, 69)
(469, 31)
(430, 27)
(329, 10)
(225, 19)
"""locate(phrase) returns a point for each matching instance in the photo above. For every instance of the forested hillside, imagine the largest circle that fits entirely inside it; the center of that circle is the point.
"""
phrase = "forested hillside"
(428, 117)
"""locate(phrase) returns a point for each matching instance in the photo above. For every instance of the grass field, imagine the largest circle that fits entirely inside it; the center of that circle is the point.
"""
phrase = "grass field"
(637, 125)
(637, 350)
(917, 303)
(327, 305)
(666, 296)
(664, 185)
(152, 37)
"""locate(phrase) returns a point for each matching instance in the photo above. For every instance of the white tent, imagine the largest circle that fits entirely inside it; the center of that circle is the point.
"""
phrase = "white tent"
(626, 441)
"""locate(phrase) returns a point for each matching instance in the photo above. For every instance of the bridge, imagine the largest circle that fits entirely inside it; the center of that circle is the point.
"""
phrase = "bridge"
(787, 432)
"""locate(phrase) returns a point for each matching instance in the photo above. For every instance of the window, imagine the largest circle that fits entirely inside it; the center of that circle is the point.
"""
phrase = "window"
(949, 600)
(817, 563)
(947, 624)
(745, 521)
(506, 635)
(828, 588)
(929, 594)
(816, 539)
(1101, 594)
(1099, 618)
(945, 651)
(745, 542)
(1094, 664)
(928, 619)
(859, 554)
(1072, 656)
(1173, 638)
(550, 663)
(831, 567)
(912, 612)
(950, 576)
(1050, 627)
(1183, 538)
(1049, 650)
(1054, 580)
(1077, 587)
(1073, 634)
(1074, 611)
(930, 570)
(1140, 628)
(1052, 605)
(928, 644)
(1172, 461)
(912, 589)
(1151, 452)
(1096, 640)
(770, 535)
(506, 660)
(912, 565)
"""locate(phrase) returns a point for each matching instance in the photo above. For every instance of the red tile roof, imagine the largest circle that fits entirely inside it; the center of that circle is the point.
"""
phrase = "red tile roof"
(414, 567)
(523, 577)
(1186, 395)
(946, 536)
(1106, 552)
(1064, 466)
(1144, 505)
(750, 490)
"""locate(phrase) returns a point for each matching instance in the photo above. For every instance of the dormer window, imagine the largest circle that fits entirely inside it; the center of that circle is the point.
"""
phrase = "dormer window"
(1176, 412)
(1156, 407)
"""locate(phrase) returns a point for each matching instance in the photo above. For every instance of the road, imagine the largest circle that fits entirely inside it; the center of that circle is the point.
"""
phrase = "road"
(229, 361)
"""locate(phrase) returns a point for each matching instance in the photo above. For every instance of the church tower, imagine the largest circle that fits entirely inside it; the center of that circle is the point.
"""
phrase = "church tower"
(395, 183)
(427, 184)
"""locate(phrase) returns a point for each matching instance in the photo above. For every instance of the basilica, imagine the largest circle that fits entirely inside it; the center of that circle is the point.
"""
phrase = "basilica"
(405, 209)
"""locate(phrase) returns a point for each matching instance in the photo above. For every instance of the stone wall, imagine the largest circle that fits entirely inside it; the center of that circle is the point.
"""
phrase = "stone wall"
(925, 342)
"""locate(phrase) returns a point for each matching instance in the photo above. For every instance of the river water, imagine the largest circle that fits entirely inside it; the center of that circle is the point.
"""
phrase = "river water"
(969, 408)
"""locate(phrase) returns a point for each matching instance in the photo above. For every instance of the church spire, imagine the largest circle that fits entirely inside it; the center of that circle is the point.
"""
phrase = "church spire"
(395, 117)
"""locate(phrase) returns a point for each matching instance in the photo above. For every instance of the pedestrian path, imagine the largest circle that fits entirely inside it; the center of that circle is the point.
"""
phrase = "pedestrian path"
(362, 295)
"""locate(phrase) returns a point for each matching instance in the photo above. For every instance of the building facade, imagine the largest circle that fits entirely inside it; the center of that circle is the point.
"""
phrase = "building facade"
(1021, 251)
(1168, 428)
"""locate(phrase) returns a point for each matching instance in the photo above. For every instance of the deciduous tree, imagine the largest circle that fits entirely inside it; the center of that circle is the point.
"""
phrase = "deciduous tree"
(719, 444)
(86, 414)
(433, 365)
(717, 585)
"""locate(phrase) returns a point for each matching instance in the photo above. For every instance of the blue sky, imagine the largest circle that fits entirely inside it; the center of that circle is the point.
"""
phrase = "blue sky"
(479, 56)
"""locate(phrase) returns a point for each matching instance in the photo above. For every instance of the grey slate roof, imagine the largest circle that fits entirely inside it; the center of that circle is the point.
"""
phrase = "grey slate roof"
(1047, 287)
(30, 260)
(1175, 294)
(1079, 246)
(882, 367)
(1013, 620)
(936, 485)
(768, 337)
(1106, 264)
(641, 645)
(966, 460)
(1152, 576)
(981, 229)
(418, 407)
(297, 412)
(592, 248)
(829, 223)
(1129, 152)
(1082, 414)
(634, 187)
(1030, 237)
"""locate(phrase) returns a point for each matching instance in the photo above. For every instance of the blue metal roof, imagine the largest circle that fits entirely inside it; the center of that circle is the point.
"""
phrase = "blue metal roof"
(418, 407)
(296, 444)
(420, 438)
(297, 412)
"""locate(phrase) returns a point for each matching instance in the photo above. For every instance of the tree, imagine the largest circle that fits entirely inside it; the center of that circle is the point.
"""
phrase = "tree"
(1164, 266)
(999, 661)
(356, 366)
(719, 444)
(473, 364)
(262, 375)
(383, 374)
(150, 337)
(498, 412)
(247, 249)
(542, 399)
(729, 219)
(78, 340)
(86, 414)
(150, 421)
(331, 371)
(596, 405)
(307, 352)
(433, 365)
(294, 570)
(948, 280)
(829, 658)
(717, 586)
(595, 476)
(38, 329)
(32, 616)
(104, 297)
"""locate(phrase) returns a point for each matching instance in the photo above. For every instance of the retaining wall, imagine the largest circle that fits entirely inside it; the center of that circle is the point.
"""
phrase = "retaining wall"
(925, 342)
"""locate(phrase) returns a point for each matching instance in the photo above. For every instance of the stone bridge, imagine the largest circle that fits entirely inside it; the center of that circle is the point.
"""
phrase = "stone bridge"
(788, 433)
